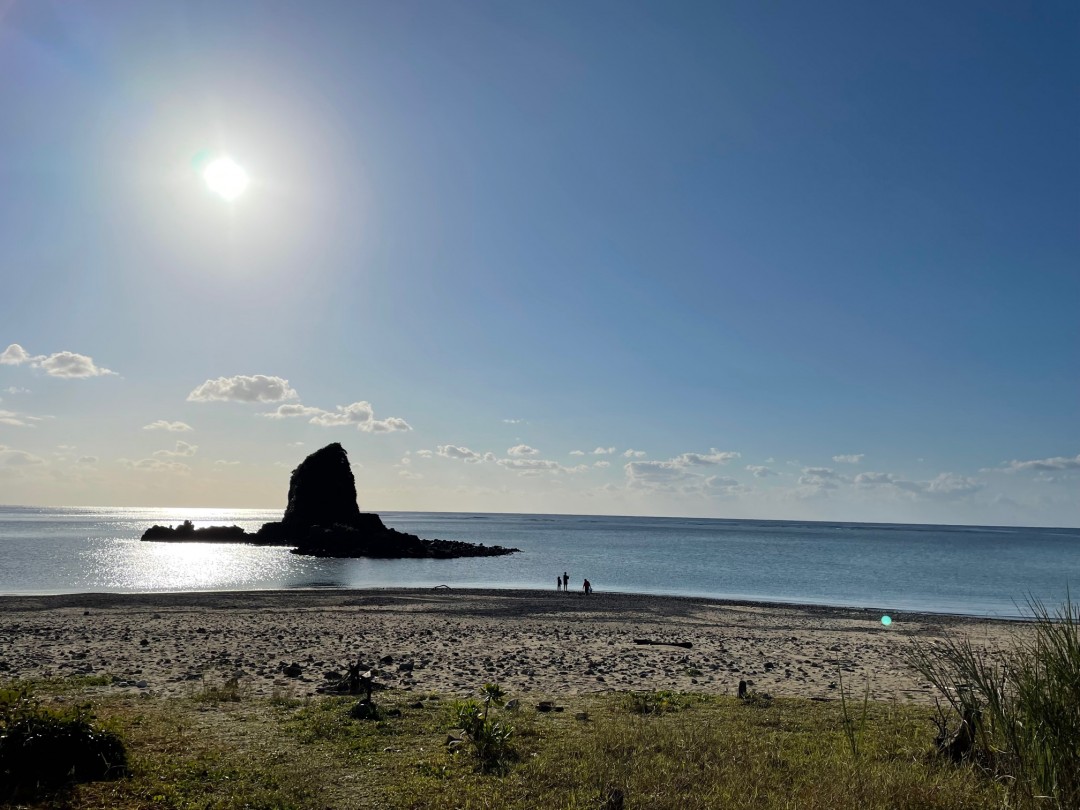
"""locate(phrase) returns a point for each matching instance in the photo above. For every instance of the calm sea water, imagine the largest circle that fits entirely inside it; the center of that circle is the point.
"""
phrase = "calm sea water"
(988, 571)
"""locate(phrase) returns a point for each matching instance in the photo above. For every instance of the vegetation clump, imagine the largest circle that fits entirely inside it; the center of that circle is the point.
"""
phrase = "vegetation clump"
(488, 733)
(44, 748)
(1016, 715)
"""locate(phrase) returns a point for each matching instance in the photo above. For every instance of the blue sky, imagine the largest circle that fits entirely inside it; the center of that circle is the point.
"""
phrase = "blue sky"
(783, 260)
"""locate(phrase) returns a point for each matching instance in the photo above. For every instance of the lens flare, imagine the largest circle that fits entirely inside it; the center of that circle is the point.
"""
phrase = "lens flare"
(226, 178)
(886, 620)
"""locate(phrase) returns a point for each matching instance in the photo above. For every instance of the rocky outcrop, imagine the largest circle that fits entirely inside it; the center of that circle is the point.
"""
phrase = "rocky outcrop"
(322, 519)
(187, 533)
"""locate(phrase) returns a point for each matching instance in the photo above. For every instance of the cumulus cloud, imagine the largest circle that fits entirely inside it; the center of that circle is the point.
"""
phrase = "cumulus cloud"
(224, 463)
(518, 451)
(18, 419)
(1055, 464)
(577, 452)
(357, 414)
(761, 472)
(243, 388)
(515, 422)
(820, 478)
(172, 427)
(182, 449)
(535, 465)
(424, 453)
(603, 451)
(634, 454)
(946, 486)
(14, 389)
(72, 366)
(10, 457)
(87, 460)
(709, 459)
(291, 409)
(460, 453)
(15, 355)
(602, 464)
(155, 465)
(850, 458)
(60, 364)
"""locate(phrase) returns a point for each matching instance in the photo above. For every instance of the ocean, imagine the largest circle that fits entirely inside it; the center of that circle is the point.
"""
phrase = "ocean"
(972, 570)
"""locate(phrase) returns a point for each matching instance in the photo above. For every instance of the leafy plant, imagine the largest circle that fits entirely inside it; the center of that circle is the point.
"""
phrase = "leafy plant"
(489, 735)
(43, 748)
(1020, 711)
(852, 731)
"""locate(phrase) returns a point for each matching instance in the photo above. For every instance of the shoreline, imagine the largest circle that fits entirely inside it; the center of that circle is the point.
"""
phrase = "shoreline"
(451, 641)
(90, 597)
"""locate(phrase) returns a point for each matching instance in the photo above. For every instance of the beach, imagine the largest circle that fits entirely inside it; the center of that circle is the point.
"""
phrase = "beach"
(451, 641)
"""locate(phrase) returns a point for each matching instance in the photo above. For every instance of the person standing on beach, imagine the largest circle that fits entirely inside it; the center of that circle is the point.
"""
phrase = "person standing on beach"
(565, 581)
(558, 583)
(587, 587)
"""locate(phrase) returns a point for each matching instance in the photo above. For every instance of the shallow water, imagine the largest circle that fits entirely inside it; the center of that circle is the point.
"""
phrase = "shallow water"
(987, 571)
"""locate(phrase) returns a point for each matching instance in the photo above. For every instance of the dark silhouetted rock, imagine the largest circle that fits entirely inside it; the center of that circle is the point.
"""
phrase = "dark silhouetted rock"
(323, 520)
(187, 533)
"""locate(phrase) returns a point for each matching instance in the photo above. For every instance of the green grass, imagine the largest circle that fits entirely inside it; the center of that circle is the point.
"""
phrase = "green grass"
(1025, 704)
(696, 752)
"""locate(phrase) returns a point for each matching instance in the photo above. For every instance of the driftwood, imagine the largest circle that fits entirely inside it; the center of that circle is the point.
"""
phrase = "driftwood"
(684, 644)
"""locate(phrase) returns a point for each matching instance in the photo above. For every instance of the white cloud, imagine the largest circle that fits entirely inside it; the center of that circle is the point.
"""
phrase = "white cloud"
(515, 422)
(243, 388)
(64, 364)
(14, 389)
(361, 415)
(410, 475)
(820, 478)
(602, 464)
(850, 458)
(714, 456)
(534, 465)
(72, 366)
(521, 450)
(10, 457)
(291, 409)
(87, 460)
(172, 427)
(155, 465)
(577, 452)
(15, 355)
(18, 419)
(460, 453)
(603, 451)
(490, 457)
(1056, 464)
(946, 486)
(424, 453)
(760, 471)
(223, 463)
(182, 449)
(634, 454)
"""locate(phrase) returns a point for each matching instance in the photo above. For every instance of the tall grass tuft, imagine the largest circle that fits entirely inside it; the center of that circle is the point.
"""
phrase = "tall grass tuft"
(1024, 704)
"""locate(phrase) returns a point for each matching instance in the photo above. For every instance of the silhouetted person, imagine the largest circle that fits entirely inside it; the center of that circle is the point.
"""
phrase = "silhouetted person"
(558, 583)
(587, 587)
(565, 581)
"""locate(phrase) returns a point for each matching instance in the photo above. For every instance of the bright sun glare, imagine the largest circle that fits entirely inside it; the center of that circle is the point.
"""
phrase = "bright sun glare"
(226, 178)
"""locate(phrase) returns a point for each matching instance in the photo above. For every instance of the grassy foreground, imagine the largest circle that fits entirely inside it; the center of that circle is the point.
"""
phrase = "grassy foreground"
(219, 748)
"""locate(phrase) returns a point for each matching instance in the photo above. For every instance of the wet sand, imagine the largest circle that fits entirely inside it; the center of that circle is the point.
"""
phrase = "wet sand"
(452, 641)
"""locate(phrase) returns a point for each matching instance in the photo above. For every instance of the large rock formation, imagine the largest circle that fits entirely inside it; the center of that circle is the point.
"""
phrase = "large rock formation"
(322, 519)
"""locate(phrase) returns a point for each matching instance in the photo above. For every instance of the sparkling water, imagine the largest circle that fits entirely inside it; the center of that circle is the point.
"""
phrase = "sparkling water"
(976, 570)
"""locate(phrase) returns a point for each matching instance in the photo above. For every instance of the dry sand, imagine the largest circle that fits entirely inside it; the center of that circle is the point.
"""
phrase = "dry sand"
(452, 641)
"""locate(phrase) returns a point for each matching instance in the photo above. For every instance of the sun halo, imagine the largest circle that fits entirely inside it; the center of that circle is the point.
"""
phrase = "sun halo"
(226, 178)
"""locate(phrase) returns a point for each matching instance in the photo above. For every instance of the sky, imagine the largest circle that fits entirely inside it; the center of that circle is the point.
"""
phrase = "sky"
(788, 260)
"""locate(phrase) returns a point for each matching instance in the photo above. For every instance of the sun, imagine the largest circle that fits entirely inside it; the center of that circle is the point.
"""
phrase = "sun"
(226, 178)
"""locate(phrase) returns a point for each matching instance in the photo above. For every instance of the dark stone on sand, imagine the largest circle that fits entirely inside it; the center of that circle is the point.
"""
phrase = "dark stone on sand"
(322, 519)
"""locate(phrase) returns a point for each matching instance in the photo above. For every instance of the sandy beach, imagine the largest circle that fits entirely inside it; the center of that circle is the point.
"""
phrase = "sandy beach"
(451, 641)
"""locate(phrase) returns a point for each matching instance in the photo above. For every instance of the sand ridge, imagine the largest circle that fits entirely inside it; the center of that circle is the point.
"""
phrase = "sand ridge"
(452, 641)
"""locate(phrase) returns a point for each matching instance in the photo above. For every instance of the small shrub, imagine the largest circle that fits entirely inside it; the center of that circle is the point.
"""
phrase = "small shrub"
(43, 748)
(1020, 710)
(489, 736)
